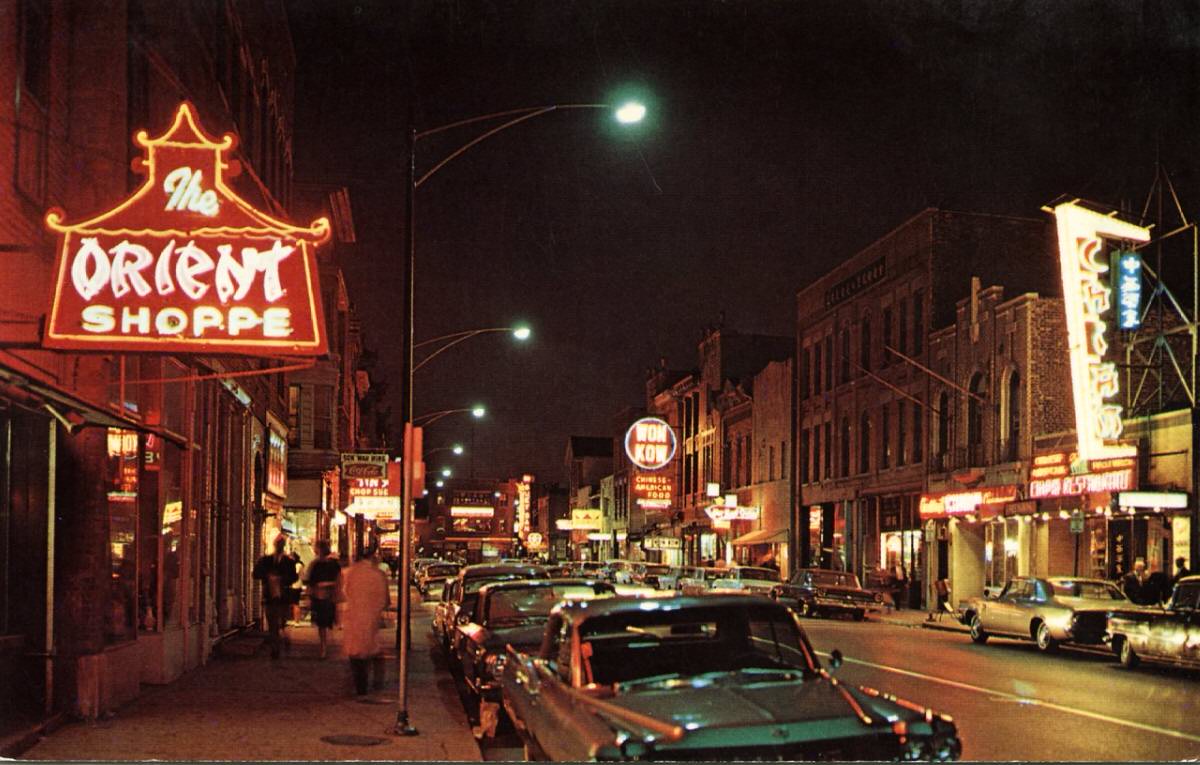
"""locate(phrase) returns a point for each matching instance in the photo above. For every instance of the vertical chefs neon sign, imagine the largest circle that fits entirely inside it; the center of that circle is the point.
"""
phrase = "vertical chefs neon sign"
(185, 265)
(1087, 299)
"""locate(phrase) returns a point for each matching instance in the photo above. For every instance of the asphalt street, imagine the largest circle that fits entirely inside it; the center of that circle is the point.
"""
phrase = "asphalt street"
(1012, 703)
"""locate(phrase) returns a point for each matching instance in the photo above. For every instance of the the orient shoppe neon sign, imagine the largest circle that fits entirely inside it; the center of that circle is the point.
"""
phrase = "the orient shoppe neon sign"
(185, 264)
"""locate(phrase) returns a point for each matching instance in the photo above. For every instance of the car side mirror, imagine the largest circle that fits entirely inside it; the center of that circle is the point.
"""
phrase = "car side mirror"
(835, 658)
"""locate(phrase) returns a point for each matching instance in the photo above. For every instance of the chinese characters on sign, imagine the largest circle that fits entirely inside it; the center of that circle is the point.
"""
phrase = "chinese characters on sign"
(1127, 274)
(1087, 299)
(371, 486)
(185, 264)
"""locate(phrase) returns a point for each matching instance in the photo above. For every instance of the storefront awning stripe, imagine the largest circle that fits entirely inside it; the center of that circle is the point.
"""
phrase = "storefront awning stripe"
(763, 537)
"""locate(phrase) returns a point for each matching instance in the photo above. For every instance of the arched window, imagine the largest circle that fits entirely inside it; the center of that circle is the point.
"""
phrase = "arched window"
(864, 443)
(975, 421)
(864, 337)
(845, 447)
(943, 429)
(1013, 404)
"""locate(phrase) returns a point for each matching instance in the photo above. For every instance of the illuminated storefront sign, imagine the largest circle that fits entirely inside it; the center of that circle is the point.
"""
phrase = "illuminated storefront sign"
(1051, 475)
(521, 505)
(653, 490)
(371, 485)
(1127, 275)
(662, 543)
(1086, 300)
(724, 513)
(650, 443)
(964, 502)
(1164, 500)
(466, 511)
(564, 524)
(185, 265)
(586, 519)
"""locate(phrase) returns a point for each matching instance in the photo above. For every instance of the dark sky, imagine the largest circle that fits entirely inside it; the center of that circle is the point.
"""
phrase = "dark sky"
(782, 137)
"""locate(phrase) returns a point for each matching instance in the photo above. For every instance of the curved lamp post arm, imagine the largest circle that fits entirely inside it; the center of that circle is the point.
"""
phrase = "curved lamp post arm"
(447, 346)
(526, 114)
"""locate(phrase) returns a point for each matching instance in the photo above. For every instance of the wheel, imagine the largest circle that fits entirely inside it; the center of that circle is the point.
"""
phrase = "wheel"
(978, 634)
(1045, 642)
(859, 614)
(1129, 659)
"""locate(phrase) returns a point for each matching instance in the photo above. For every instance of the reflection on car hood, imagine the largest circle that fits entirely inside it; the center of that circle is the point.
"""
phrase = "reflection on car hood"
(753, 702)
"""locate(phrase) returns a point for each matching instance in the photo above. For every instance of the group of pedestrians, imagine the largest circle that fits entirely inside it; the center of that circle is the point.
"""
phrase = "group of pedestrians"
(362, 588)
(1152, 588)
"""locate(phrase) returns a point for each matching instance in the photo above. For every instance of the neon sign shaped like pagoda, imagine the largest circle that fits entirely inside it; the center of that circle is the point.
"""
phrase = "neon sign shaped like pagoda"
(185, 265)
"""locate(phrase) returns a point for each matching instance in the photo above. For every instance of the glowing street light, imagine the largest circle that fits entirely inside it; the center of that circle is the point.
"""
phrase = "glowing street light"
(630, 112)
(478, 412)
(427, 419)
(522, 333)
(446, 472)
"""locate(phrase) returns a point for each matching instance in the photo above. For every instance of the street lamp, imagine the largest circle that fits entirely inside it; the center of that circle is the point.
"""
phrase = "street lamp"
(457, 449)
(520, 332)
(446, 472)
(625, 114)
(429, 418)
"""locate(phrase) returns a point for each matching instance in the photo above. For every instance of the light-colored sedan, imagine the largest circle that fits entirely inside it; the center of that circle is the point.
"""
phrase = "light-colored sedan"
(1048, 611)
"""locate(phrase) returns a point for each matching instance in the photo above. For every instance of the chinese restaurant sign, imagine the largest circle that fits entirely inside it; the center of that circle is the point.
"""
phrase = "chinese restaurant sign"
(371, 485)
(650, 443)
(1087, 299)
(185, 265)
(1051, 475)
(652, 490)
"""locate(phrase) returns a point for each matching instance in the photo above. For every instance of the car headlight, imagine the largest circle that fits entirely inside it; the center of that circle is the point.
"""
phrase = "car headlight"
(494, 664)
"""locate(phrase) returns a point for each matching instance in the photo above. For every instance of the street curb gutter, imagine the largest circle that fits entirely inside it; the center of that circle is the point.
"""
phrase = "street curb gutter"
(925, 625)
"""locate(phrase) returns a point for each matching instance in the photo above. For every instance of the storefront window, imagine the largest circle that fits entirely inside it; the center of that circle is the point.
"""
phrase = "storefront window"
(121, 615)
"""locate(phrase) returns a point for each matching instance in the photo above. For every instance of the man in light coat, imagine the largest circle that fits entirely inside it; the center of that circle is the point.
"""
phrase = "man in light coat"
(367, 595)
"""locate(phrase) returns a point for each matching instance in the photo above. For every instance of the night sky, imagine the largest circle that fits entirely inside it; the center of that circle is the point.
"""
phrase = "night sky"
(782, 137)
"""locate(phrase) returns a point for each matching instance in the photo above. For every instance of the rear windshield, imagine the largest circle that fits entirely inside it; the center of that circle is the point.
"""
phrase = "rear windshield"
(763, 574)
(525, 603)
(835, 578)
(441, 569)
(1091, 590)
(657, 570)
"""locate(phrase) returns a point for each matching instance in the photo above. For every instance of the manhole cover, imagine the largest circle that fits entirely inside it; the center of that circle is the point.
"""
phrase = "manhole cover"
(349, 739)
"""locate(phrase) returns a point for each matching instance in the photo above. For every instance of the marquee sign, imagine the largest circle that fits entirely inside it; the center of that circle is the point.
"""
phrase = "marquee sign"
(1086, 299)
(650, 443)
(586, 519)
(725, 513)
(965, 502)
(185, 265)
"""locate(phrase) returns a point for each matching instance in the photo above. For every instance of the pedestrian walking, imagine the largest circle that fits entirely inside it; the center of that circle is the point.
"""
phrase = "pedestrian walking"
(1181, 570)
(367, 595)
(322, 579)
(277, 572)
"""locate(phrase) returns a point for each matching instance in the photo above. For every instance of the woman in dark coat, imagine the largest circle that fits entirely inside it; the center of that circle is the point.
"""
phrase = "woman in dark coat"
(322, 580)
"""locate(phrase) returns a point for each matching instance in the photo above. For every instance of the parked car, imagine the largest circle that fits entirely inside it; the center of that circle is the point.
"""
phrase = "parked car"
(746, 579)
(700, 580)
(463, 591)
(651, 574)
(816, 591)
(510, 613)
(1170, 635)
(719, 677)
(1048, 611)
(435, 572)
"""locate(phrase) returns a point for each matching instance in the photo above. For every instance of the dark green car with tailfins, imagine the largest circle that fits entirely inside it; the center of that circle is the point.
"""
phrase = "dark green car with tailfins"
(716, 677)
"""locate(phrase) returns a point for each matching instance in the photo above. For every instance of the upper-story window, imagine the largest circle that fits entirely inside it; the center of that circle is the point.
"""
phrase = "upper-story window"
(293, 414)
(829, 361)
(33, 100)
(918, 447)
(805, 359)
(844, 366)
(975, 408)
(1012, 403)
(943, 429)
(816, 368)
(804, 452)
(323, 417)
(901, 434)
(864, 443)
(885, 437)
(902, 341)
(864, 345)
(844, 437)
(918, 315)
(816, 453)
(886, 338)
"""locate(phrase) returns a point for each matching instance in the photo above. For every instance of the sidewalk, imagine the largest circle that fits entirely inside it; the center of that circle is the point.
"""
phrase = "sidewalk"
(248, 707)
(916, 618)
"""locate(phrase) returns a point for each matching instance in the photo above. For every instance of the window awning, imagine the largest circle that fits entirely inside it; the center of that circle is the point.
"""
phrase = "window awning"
(69, 409)
(763, 537)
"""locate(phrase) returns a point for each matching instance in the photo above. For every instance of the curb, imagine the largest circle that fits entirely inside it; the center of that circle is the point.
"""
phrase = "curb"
(926, 625)
(18, 743)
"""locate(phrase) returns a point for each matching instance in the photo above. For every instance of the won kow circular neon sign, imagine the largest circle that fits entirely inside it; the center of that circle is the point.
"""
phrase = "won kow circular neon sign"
(650, 443)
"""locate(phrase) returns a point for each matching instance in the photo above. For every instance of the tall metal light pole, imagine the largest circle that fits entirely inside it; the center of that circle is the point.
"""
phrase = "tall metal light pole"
(627, 113)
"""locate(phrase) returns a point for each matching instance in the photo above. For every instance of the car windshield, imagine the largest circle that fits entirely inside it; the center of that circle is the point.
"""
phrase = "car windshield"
(835, 578)
(656, 570)
(440, 569)
(534, 603)
(1186, 598)
(1068, 588)
(654, 645)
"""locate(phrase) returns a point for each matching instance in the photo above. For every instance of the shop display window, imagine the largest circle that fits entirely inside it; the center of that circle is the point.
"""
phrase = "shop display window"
(121, 479)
